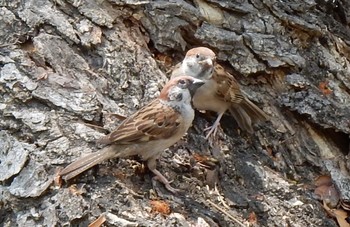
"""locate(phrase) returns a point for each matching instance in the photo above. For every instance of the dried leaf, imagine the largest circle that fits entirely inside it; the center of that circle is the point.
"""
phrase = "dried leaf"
(341, 216)
(323, 86)
(323, 180)
(165, 60)
(160, 207)
(206, 161)
(329, 194)
(252, 219)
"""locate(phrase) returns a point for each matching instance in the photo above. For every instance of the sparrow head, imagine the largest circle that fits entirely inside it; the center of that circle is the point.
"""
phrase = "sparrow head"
(199, 62)
(180, 89)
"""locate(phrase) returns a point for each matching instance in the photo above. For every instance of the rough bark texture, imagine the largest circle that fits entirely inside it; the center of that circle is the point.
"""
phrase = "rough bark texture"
(69, 67)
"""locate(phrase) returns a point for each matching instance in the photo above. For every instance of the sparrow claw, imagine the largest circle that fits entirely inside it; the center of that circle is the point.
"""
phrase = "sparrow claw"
(171, 189)
(158, 176)
(212, 130)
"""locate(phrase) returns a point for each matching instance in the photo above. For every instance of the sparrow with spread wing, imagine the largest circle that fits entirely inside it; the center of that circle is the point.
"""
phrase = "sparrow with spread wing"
(221, 91)
(147, 132)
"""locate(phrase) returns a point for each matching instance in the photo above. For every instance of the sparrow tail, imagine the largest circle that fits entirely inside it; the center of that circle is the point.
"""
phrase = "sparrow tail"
(86, 162)
(246, 113)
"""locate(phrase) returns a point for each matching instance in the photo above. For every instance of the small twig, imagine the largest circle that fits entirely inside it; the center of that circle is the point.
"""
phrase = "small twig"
(119, 116)
(225, 212)
(221, 199)
(8, 44)
(93, 126)
(132, 192)
(99, 221)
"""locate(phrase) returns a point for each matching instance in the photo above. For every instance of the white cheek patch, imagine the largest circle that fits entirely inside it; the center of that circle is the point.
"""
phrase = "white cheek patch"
(191, 67)
(190, 61)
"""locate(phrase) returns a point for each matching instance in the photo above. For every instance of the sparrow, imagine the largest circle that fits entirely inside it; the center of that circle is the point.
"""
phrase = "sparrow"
(148, 131)
(221, 91)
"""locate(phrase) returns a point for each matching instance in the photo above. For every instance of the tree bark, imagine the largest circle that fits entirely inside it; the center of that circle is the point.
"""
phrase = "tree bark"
(71, 70)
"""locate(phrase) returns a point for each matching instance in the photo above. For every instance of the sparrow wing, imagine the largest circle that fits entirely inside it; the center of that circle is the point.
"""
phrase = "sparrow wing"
(152, 122)
(227, 86)
(245, 112)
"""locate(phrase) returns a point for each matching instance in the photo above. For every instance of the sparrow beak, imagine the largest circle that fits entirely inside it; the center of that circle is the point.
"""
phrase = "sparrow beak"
(207, 63)
(196, 83)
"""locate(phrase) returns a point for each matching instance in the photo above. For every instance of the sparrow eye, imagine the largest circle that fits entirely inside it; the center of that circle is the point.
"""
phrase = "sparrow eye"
(182, 82)
(197, 55)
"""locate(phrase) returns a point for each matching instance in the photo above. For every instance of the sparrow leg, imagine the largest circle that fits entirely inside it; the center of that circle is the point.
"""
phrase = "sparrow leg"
(166, 183)
(158, 176)
(213, 129)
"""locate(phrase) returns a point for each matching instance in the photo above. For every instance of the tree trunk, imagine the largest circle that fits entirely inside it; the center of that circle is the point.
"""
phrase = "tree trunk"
(72, 70)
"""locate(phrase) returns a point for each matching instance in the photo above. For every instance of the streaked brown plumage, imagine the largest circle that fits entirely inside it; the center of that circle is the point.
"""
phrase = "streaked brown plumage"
(221, 92)
(147, 132)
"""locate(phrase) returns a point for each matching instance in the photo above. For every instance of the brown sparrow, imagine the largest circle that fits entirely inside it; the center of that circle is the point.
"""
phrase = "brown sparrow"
(220, 92)
(147, 132)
